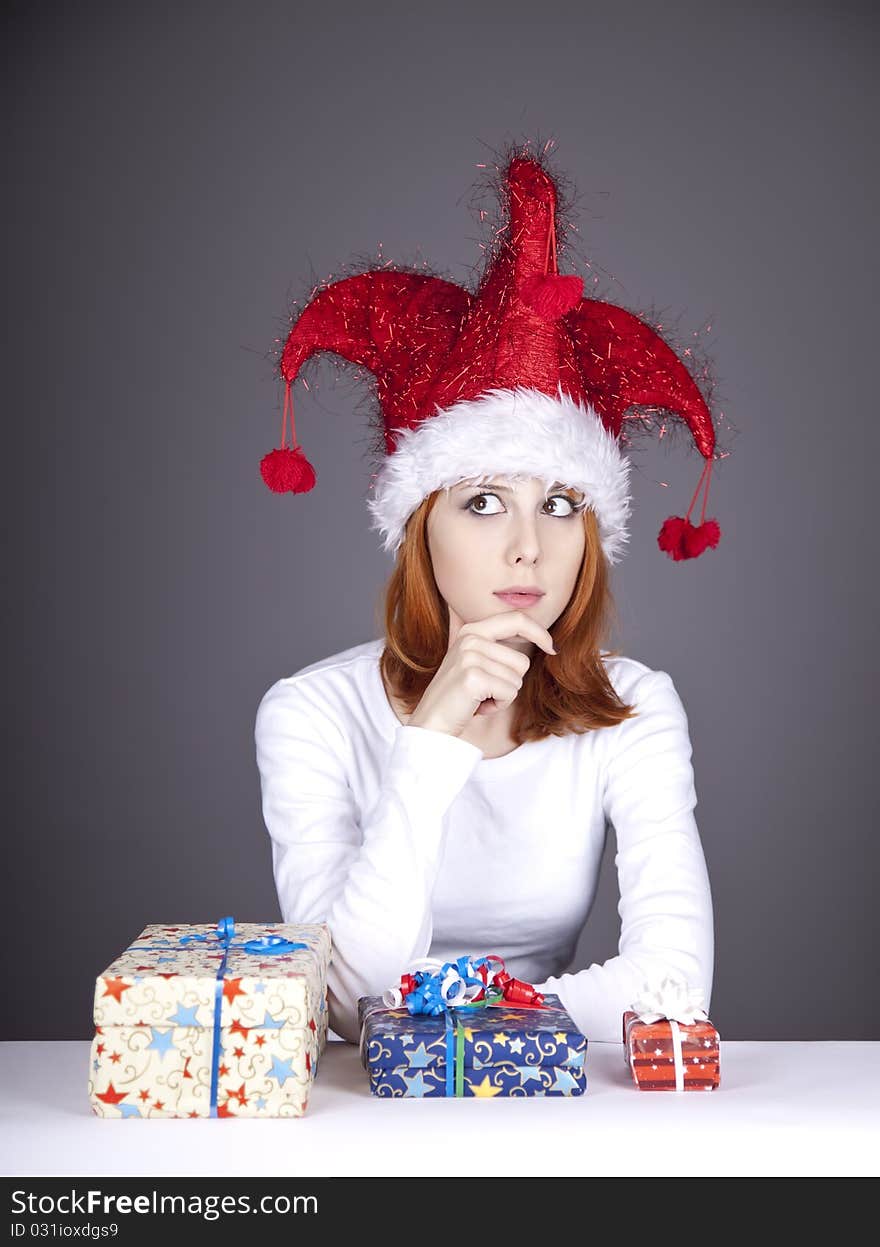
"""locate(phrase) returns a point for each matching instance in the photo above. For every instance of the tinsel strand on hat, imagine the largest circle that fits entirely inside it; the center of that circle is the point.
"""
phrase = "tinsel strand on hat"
(522, 376)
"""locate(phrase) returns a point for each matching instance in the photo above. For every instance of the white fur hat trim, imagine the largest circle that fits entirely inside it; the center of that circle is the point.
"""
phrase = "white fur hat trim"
(518, 433)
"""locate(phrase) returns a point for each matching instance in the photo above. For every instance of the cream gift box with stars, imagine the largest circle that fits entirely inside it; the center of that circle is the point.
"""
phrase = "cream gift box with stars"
(158, 1051)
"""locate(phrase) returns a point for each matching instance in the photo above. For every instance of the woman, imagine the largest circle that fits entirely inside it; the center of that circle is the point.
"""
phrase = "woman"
(446, 789)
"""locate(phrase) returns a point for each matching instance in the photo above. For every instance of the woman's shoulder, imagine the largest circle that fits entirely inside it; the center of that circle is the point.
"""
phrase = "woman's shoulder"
(649, 690)
(627, 674)
(339, 682)
(653, 696)
(346, 662)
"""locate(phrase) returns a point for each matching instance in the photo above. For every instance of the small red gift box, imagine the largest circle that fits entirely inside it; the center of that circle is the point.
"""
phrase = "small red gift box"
(665, 1055)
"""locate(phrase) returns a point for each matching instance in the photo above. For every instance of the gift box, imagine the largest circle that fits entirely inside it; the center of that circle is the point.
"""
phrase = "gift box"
(225, 1020)
(501, 1049)
(669, 1043)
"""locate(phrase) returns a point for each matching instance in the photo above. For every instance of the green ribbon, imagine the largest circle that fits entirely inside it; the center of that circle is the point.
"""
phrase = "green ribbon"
(455, 1039)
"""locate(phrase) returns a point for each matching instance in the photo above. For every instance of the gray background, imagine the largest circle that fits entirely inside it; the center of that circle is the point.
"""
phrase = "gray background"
(177, 174)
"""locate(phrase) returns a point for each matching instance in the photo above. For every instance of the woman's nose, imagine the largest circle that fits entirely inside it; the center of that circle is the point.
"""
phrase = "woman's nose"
(525, 541)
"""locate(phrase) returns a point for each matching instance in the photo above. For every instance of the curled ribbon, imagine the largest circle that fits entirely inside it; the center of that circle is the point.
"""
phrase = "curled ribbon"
(223, 936)
(672, 1001)
(433, 987)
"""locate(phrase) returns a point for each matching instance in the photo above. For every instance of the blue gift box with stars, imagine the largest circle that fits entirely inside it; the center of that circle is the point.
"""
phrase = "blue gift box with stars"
(501, 1049)
(211, 1020)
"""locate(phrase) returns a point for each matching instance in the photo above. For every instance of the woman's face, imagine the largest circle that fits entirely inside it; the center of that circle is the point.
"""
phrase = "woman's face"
(488, 537)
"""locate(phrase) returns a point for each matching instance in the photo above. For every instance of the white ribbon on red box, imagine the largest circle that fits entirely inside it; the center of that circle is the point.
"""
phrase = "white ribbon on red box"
(672, 1000)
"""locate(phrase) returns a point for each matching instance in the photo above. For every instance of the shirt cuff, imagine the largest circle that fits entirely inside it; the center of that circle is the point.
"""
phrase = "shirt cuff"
(442, 763)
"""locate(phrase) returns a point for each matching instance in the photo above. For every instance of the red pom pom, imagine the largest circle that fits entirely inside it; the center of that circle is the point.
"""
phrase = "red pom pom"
(696, 540)
(681, 540)
(669, 537)
(552, 296)
(287, 471)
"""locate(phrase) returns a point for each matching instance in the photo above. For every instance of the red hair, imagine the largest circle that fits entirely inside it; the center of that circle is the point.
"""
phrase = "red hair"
(568, 692)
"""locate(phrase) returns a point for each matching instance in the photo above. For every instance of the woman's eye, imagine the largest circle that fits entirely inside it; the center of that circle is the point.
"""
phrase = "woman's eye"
(474, 506)
(562, 498)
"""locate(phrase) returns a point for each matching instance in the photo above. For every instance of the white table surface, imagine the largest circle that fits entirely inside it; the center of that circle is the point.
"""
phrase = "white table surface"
(783, 1109)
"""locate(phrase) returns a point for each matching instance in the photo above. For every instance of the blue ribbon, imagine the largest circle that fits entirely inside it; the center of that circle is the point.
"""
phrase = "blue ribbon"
(225, 930)
(450, 1053)
(427, 997)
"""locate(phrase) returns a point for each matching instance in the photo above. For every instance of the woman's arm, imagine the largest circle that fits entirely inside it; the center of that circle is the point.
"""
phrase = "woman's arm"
(665, 899)
(369, 875)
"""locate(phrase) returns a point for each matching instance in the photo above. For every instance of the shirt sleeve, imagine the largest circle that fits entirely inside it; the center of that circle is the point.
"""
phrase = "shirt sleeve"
(368, 874)
(665, 902)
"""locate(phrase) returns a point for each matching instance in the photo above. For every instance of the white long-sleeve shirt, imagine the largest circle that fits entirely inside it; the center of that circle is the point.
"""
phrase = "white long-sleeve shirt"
(409, 843)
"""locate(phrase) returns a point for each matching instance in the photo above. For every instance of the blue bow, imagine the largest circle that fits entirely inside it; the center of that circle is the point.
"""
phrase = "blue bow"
(428, 997)
(225, 930)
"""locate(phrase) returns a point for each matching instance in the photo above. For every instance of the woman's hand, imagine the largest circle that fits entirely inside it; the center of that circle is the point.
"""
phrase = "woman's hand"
(479, 674)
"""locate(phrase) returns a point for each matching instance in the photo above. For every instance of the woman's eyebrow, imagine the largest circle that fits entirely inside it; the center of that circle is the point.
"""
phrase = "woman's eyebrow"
(505, 489)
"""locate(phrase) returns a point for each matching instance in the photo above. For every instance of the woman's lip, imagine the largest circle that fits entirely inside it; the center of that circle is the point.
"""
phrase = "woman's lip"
(520, 599)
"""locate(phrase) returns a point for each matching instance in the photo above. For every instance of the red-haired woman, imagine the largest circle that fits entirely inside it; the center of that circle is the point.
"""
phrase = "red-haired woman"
(445, 790)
